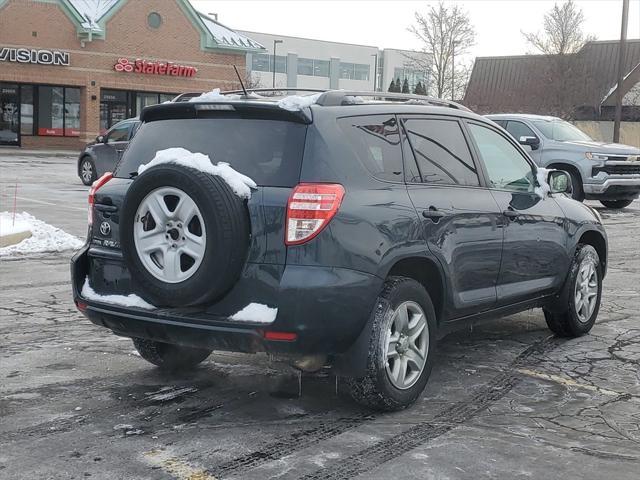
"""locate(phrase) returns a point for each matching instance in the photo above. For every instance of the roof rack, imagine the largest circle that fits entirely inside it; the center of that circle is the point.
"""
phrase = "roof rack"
(330, 98)
(267, 90)
(337, 97)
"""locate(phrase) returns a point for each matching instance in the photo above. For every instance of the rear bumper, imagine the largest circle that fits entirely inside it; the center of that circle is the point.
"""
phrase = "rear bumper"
(325, 307)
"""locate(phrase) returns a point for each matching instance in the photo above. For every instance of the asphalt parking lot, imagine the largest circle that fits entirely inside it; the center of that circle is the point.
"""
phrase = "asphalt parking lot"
(505, 400)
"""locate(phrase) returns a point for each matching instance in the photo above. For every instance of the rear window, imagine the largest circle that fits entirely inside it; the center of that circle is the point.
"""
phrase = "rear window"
(268, 151)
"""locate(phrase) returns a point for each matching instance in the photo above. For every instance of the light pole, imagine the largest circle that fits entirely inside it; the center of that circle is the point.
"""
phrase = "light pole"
(375, 72)
(621, 51)
(275, 42)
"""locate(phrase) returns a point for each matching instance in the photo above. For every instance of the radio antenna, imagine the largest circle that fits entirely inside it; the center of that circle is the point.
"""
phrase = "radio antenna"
(246, 94)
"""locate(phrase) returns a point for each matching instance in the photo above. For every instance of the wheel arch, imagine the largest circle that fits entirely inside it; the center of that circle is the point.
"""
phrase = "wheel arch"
(424, 270)
(597, 241)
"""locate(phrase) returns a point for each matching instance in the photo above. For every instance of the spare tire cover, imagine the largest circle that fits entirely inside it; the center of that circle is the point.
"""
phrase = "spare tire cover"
(184, 235)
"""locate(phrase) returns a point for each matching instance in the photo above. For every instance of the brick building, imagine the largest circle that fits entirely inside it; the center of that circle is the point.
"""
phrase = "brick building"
(69, 69)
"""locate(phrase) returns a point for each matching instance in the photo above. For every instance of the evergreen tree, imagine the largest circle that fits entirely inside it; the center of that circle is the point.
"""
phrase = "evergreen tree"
(405, 86)
(417, 90)
(392, 86)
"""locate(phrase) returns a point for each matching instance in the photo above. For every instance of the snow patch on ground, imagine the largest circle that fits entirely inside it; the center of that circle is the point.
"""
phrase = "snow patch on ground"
(543, 187)
(239, 183)
(294, 103)
(131, 300)
(44, 237)
(214, 96)
(256, 312)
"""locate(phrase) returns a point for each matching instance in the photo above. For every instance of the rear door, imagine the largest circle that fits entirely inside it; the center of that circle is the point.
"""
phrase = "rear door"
(461, 220)
(534, 255)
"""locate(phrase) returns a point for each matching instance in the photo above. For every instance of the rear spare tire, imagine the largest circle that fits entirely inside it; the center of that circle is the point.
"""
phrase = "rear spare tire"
(184, 235)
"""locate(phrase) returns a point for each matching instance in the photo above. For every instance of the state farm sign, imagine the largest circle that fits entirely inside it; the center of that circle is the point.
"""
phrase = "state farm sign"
(125, 65)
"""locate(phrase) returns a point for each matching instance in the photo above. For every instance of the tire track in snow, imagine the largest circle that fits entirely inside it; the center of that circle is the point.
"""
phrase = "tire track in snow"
(450, 418)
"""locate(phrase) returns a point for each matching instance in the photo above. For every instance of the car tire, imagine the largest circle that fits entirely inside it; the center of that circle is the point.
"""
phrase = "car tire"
(224, 228)
(574, 317)
(87, 171)
(617, 204)
(576, 183)
(168, 356)
(391, 346)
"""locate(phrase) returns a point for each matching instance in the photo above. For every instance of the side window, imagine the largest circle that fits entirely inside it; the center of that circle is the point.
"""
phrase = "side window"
(376, 140)
(441, 151)
(519, 129)
(119, 133)
(506, 167)
(502, 123)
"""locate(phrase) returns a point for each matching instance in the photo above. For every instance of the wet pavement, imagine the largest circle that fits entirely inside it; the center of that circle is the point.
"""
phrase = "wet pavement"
(505, 400)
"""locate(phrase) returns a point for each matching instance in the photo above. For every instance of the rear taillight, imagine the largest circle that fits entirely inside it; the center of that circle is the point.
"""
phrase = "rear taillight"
(92, 192)
(310, 208)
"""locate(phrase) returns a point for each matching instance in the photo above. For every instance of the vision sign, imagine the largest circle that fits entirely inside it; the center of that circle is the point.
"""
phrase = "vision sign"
(28, 55)
(154, 68)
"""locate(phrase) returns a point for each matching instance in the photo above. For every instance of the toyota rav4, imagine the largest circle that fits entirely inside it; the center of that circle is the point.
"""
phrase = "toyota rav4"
(347, 229)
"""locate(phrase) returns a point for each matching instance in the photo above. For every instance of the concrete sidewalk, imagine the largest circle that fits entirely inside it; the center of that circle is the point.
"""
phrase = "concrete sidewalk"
(20, 152)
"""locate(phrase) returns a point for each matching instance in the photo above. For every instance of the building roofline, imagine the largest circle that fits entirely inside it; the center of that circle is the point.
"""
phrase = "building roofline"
(311, 39)
(542, 55)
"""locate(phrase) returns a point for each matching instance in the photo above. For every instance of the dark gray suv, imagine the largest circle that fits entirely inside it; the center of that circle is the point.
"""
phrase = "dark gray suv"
(101, 156)
(339, 231)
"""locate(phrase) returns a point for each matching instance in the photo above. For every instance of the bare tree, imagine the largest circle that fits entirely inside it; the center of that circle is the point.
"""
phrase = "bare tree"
(562, 31)
(563, 78)
(447, 34)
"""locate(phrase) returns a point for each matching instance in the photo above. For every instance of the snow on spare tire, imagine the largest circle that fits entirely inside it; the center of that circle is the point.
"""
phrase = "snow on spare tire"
(184, 229)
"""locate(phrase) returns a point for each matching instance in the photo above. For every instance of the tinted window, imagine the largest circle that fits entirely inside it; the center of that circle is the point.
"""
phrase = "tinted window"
(376, 140)
(502, 123)
(519, 129)
(119, 133)
(506, 167)
(268, 151)
(441, 152)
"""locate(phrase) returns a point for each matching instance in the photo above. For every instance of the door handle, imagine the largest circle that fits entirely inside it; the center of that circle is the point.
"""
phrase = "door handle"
(510, 213)
(433, 214)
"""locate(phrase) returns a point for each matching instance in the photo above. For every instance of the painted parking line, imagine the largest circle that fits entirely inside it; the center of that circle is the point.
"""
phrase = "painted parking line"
(42, 202)
(176, 468)
(567, 382)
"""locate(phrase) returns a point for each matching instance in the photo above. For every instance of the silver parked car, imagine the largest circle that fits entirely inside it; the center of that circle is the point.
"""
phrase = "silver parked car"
(102, 155)
(608, 172)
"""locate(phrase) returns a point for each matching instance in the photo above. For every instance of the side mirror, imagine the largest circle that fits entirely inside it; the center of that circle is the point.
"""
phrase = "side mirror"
(100, 139)
(533, 142)
(559, 182)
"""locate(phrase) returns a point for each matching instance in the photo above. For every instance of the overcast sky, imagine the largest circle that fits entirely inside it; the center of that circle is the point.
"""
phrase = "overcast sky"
(384, 23)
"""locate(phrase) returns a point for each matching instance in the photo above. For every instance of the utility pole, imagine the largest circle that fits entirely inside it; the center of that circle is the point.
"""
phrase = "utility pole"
(621, 52)
(275, 42)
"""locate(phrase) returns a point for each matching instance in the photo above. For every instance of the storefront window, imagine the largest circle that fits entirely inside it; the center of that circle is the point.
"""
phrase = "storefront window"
(113, 108)
(51, 111)
(9, 114)
(72, 112)
(26, 110)
(145, 99)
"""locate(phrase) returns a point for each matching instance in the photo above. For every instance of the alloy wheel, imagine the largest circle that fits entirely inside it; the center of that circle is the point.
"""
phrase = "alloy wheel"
(586, 290)
(407, 345)
(169, 234)
(86, 171)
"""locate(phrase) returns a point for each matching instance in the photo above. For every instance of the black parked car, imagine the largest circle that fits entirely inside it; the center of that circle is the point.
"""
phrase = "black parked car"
(375, 228)
(102, 155)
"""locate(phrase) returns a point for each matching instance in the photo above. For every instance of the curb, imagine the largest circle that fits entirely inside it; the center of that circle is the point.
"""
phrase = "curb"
(14, 238)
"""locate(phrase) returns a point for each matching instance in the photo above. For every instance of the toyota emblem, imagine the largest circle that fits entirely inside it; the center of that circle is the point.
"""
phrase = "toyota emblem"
(105, 229)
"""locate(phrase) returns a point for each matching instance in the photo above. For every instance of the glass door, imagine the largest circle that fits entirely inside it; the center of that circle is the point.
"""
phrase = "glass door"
(9, 114)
